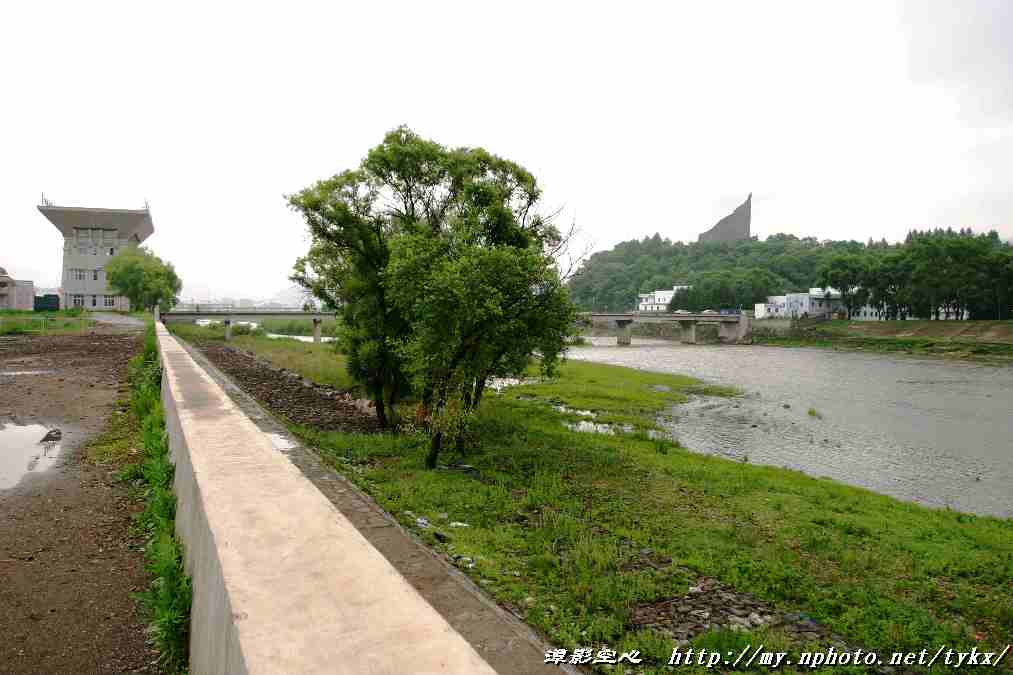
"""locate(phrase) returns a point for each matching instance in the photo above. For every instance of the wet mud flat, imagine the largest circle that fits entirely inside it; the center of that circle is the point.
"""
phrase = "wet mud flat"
(931, 431)
(68, 560)
(288, 394)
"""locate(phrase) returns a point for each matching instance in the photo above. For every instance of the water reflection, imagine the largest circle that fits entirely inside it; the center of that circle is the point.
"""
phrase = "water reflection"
(26, 448)
(937, 432)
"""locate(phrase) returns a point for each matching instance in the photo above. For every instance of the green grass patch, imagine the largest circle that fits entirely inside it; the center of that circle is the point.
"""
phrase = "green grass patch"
(167, 599)
(62, 322)
(557, 518)
(119, 442)
(328, 328)
(321, 363)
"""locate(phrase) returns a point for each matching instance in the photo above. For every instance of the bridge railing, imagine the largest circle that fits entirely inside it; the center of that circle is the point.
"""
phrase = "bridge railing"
(209, 307)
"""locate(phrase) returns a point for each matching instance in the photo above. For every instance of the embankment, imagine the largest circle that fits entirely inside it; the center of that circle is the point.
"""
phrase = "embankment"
(282, 581)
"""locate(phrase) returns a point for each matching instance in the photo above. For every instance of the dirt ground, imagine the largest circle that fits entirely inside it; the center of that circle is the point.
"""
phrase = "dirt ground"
(68, 563)
(286, 393)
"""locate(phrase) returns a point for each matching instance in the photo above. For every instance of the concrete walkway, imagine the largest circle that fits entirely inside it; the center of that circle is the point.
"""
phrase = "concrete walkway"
(505, 642)
(119, 320)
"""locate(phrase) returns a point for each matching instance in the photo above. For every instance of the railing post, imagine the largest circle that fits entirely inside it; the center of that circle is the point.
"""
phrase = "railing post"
(317, 330)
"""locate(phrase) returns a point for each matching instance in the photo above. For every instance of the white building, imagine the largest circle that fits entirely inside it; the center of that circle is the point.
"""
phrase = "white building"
(16, 293)
(91, 237)
(816, 302)
(658, 300)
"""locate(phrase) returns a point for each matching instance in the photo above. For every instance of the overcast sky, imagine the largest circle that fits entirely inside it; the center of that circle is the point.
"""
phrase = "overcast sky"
(845, 119)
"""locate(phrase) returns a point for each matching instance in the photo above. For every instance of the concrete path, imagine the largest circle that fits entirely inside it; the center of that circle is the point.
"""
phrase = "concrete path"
(506, 643)
(119, 320)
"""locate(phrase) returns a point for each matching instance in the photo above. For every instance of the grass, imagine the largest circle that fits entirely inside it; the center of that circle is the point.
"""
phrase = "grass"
(168, 597)
(972, 340)
(318, 362)
(557, 517)
(62, 322)
(298, 327)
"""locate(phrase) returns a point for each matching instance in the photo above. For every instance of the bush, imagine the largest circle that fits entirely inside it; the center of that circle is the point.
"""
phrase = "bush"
(168, 598)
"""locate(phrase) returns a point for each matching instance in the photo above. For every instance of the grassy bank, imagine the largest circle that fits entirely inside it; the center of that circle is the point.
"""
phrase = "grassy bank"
(318, 362)
(560, 523)
(142, 426)
(62, 322)
(298, 327)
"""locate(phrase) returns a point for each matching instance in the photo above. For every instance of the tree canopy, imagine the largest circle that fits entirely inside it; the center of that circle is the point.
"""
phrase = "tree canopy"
(930, 273)
(443, 271)
(143, 278)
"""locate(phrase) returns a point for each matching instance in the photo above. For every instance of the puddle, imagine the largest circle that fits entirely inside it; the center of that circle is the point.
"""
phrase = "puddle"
(280, 442)
(23, 451)
(597, 427)
(575, 411)
(500, 383)
(25, 372)
(300, 338)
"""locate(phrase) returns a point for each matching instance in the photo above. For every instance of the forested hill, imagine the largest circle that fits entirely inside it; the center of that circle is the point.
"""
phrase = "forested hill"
(747, 271)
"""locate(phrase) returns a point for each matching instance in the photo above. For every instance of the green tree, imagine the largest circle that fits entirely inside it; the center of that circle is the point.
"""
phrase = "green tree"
(443, 270)
(143, 278)
(846, 273)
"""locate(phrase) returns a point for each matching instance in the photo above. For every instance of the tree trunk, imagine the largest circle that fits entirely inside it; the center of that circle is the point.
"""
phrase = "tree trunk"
(392, 407)
(435, 444)
(381, 413)
(479, 390)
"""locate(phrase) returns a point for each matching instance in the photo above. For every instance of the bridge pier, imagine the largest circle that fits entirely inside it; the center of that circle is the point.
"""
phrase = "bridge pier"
(228, 329)
(625, 337)
(728, 332)
(687, 332)
(317, 323)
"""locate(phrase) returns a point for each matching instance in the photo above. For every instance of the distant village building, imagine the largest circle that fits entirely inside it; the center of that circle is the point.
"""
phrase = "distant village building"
(816, 302)
(91, 237)
(824, 303)
(734, 226)
(16, 293)
(658, 300)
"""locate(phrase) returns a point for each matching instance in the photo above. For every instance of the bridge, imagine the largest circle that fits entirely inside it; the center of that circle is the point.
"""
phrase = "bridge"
(227, 316)
(732, 328)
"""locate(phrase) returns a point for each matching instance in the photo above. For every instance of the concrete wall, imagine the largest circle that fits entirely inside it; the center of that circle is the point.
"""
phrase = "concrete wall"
(283, 583)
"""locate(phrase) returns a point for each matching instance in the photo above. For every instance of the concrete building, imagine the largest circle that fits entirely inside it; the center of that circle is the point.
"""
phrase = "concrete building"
(658, 300)
(734, 226)
(16, 293)
(91, 236)
(816, 302)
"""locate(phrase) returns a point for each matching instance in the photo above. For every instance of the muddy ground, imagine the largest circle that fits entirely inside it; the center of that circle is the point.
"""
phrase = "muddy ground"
(68, 561)
(287, 394)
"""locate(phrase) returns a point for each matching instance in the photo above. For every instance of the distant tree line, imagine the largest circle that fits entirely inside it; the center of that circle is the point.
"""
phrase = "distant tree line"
(930, 273)
(935, 274)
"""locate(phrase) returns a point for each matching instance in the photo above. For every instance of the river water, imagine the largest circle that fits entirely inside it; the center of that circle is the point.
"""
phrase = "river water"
(932, 431)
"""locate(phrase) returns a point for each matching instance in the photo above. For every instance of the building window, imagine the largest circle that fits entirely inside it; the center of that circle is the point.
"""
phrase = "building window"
(94, 250)
(79, 301)
(110, 301)
(94, 275)
(79, 275)
(94, 301)
(112, 251)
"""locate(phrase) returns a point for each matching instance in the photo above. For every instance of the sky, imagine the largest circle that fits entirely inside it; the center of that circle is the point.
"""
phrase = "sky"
(845, 120)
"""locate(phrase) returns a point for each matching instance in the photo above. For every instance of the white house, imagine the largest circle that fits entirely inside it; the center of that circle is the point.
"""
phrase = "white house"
(658, 300)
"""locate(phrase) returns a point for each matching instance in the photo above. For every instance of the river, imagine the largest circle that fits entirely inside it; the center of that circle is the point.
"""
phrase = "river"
(932, 431)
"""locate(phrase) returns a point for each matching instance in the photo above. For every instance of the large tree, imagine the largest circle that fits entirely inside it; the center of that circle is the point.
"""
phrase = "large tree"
(846, 273)
(443, 269)
(144, 279)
